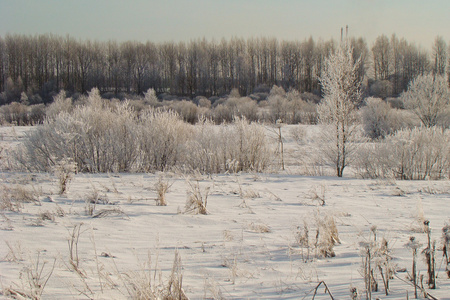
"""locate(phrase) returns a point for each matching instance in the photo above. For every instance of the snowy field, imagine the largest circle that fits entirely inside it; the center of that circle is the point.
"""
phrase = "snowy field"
(251, 244)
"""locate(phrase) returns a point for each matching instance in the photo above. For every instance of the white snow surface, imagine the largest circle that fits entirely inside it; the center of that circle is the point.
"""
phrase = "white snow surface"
(244, 248)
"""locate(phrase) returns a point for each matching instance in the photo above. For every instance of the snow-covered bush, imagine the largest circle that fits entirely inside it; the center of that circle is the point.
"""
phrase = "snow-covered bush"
(106, 136)
(161, 140)
(240, 107)
(420, 153)
(60, 104)
(102, 137)
(375, 118)
(187, 110)
(246, 146)
(206, 151)
(15, 113)
(414, 154)
(234, 147)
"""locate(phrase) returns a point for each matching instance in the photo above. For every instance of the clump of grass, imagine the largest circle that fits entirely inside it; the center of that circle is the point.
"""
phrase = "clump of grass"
(74, 259)
(317, 193)
(161, 187)
(34, 277)
(147, 283)
(259, 227)
(64, 170)
(47, 215)
(106, 212)
(92, 200)
(15, 252)
(326, 237)
(197, 199)
(302, 239)
(12, 199)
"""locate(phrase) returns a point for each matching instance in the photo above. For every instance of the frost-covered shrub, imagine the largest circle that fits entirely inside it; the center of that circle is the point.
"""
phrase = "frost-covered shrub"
(375, 118)
(234, 147)
(162, 136)
(415, 154)
(222, 114)
(110, 136)
(373, 160)
(15, 113)
(240, 107)
(103, 137)
(187, 110)
(245, 146)
(206, 153)
(60, 104)
(97, 137)
(428, 97)
(420, 153)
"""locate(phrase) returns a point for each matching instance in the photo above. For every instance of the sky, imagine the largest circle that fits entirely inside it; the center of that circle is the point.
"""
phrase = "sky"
(184, 20)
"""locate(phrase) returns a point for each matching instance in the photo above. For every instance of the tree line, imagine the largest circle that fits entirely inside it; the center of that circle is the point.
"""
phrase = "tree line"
(36, 68)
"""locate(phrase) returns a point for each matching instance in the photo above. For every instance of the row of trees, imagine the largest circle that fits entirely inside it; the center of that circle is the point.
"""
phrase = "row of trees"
(35, 68)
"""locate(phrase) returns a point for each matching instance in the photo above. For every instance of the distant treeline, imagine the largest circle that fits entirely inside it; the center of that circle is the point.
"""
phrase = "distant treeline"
(35, 68)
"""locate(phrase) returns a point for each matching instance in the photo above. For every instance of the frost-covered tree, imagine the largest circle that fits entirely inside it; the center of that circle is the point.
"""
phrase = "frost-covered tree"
(428, 97)
(341, 90)
(150, 97)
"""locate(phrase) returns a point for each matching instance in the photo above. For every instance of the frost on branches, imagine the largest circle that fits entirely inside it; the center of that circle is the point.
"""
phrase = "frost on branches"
(341, 90)
(428, 97)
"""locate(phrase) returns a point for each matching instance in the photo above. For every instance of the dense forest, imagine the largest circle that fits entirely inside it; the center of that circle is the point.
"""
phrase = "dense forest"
(39, 66)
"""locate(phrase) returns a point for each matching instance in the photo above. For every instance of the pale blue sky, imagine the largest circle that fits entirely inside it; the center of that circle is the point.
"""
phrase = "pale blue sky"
(183, 20)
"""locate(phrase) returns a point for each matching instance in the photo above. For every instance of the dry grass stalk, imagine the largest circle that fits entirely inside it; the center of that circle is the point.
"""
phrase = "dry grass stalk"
(161, 187)
(318, 194)
(35, 277)
(414, 246)
(15, 252)
(302, 238)
(147, 283)
(259, 227)
(106, 212)
(12, 199)
(197, 199)
(74, 260)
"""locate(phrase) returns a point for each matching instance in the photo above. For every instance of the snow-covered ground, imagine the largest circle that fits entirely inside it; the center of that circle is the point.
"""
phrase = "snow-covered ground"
(246, 247)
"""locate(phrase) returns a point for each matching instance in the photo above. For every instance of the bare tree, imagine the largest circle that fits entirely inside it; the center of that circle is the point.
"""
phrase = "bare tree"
(439, 56)
(381, 57)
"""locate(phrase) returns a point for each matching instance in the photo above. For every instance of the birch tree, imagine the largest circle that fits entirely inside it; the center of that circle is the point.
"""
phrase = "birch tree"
(341, 90)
